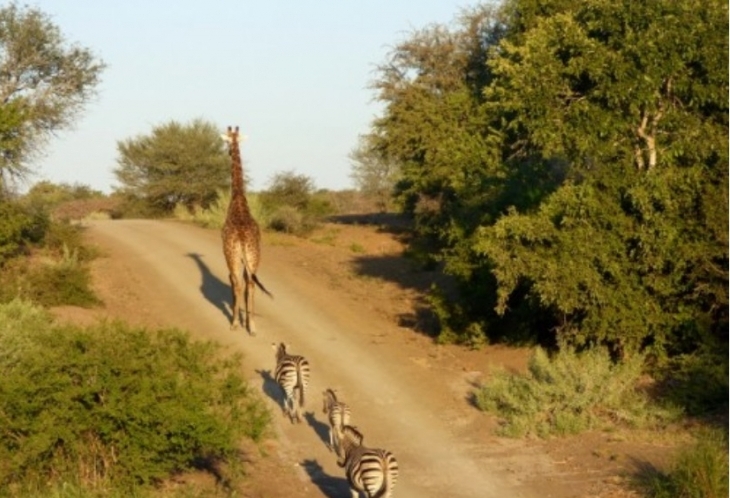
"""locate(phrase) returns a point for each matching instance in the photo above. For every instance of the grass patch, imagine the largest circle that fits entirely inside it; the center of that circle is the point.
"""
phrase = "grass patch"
(357, 248)
(52, 271)
(698, 382)
(570, 393)
(111, 407)
(327, 237)
(699, 471)
(48, 281)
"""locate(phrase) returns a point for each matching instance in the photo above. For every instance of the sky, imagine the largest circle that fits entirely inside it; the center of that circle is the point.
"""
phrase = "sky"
(293, 75)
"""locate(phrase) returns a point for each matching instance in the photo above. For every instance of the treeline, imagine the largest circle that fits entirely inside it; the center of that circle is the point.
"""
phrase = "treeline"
(567, 163)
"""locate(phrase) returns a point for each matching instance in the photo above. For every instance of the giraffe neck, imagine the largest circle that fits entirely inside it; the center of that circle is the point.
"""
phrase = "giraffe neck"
(238, 188)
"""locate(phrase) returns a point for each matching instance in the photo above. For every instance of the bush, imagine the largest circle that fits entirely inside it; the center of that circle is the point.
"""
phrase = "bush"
(63, 238)
(288, 219)
(114, 406)
(700, 471)
(215, 215)
(48, 282)
(18, 227)
(295, 206)
(65, 282)
(570, 393)
(697, 382)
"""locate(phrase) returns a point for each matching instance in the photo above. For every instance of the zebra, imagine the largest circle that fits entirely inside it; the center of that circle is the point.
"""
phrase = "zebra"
(372, 471)
(338, 414)
(292, 374)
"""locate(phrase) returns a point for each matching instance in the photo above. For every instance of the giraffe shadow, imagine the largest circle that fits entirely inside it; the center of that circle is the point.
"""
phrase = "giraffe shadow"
(213, 289)
(321, 429)
(331, 486)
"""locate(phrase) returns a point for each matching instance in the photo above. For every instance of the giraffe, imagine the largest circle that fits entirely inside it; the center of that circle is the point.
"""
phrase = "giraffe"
(241, 240)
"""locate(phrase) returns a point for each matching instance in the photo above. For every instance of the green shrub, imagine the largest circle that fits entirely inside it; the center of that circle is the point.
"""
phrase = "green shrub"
(56, 274)
(115, 406)
(215, 215)
(697, 382)
(48, 281)
(62, 238)
(294, 205)
(570, 393)
(18, 227)
(65, 282)
(288, 219)
(700, 471)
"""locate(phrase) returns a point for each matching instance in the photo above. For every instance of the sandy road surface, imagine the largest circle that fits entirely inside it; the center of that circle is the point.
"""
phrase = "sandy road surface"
(397, 402)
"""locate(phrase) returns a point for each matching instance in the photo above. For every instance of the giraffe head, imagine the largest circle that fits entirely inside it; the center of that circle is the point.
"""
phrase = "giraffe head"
(231, 136)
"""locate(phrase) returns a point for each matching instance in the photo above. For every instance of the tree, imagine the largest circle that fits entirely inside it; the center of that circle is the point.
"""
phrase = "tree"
(632, 250)
(374, 175)
(568, 160)
(175, 164)
(289, 189)
(434, 126)
(45, 82)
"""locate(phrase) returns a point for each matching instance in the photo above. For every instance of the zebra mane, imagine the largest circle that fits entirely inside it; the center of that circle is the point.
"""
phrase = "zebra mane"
(330, 393)
(280, 349)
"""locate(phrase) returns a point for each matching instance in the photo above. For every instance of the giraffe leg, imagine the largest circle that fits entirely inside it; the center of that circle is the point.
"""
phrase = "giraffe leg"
(237, 292)
(250, 288)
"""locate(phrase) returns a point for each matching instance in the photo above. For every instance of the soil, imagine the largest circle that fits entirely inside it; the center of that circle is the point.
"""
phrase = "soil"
(347, 299)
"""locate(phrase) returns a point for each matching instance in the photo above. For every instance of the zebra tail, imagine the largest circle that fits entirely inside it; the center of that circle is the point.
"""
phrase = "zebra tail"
(387, 481)
(300, 385)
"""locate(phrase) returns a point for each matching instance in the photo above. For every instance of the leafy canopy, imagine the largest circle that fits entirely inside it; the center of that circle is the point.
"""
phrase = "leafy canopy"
(175, 164)
(45, 82)
(567, 161)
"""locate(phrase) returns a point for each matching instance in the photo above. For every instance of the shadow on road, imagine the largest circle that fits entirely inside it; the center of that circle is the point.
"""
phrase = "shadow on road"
(271, 388)
(321, 429)
(332, 487)
(213, 289)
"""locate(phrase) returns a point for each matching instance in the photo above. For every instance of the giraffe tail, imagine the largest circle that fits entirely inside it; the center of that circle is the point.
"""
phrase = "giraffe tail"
(261, 286)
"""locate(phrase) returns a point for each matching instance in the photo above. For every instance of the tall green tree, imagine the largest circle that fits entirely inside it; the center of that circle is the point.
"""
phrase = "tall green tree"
(45, 83)
(434, 126)
(175, 164)
(632, 97)
(568, 160)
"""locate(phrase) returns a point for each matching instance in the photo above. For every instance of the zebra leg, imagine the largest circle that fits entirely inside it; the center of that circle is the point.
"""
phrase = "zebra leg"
(335, 436)
(290, 410)
(296, 395)
(332, 436)
(287, 403)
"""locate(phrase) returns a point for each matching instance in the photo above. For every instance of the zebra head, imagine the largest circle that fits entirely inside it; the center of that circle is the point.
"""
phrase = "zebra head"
(280, 350)
(328, 399)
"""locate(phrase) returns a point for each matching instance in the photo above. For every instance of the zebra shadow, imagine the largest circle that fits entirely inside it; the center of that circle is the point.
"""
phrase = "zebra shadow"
(274, 391)
(331, 486)
(215, 291)
(271, 388)
(322, 430)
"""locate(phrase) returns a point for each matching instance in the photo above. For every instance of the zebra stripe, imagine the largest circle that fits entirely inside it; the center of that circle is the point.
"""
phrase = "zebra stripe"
(338, 415)
(373, 471)
(292, 374)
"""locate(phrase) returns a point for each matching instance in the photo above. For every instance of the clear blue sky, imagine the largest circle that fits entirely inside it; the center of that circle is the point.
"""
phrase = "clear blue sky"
(293, 75)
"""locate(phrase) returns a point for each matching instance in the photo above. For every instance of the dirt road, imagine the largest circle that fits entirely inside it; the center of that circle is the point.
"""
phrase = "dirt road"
(401, 399)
